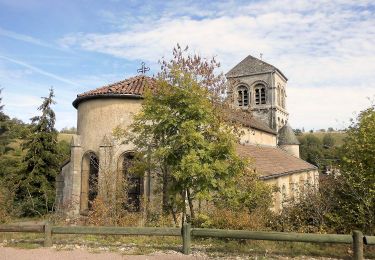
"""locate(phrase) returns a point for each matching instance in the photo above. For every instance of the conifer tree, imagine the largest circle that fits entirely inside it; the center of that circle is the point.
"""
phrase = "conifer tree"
(37, 189)
(4, 129)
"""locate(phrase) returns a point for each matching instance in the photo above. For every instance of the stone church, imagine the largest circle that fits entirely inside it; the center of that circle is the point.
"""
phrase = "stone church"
(268, 139)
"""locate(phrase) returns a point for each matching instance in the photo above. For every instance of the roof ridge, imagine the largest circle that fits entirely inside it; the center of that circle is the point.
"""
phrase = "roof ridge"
(251, 65)
(116, 83)
(133, 87)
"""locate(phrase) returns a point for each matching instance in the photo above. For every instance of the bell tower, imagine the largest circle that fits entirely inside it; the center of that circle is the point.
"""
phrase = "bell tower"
(261, 88)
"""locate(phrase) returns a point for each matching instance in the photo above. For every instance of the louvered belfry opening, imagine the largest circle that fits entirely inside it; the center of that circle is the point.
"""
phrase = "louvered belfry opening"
(260, 94)
(243, 96)
(134, 184)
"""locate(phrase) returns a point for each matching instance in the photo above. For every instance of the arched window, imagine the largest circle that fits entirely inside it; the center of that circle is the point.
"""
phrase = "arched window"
(282, 98)
(260, 94)
(243, 96)
(89, 181)
(134, 183)
(278, 95)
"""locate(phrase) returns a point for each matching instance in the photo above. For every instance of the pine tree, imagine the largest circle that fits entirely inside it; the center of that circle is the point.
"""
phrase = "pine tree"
(4, 128)
(37, 190)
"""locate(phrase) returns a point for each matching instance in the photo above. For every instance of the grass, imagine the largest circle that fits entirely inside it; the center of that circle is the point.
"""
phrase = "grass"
(143, 245)
(64, 137)
(337, 136)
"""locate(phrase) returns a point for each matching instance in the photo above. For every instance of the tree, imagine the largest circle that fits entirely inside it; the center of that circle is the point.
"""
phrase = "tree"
(356, 186)
(311, 149)
(37, 190)
(4, 128)
(181, 135)
(328, 141)
(297, 132)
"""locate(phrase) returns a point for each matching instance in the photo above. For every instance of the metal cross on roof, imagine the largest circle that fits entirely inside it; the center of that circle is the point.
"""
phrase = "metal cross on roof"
(143, 68)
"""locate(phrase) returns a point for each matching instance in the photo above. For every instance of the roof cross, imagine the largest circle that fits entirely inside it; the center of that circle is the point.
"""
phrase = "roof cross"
(143, 68)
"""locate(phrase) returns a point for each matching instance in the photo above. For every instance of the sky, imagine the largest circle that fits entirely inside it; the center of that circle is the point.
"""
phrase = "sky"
(325, 48)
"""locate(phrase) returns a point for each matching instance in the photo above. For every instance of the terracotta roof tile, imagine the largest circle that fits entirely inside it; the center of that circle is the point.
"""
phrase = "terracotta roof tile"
(132, 87)
(272, 161)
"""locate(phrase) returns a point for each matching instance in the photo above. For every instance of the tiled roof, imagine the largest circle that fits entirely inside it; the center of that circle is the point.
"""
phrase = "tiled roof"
(247, 119)
(287, 136)
(271, 162)
(133, 87)
(251, 65)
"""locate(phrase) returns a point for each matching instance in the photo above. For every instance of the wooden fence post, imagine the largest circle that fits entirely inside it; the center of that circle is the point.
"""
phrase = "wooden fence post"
(47, 235)
(186, 238)
(357, 245)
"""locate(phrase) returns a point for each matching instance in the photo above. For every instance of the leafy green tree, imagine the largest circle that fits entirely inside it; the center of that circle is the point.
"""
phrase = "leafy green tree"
(37, 190)
(182, 136)
(356, 185)
(311, 149)
(297, 132)
(10, 162)
(328, 141)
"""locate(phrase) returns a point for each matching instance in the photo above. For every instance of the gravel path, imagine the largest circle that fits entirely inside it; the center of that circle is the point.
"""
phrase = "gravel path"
(9, 253)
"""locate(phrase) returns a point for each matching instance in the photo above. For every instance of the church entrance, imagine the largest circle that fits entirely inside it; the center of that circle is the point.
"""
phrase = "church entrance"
(89, 181)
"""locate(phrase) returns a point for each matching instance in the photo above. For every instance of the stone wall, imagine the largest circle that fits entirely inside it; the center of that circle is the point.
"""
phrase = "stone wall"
(98, 118)
(290, 185)
(253, 136)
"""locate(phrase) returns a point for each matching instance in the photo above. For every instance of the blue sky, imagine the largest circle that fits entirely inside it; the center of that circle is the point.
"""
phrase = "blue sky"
(325, 48)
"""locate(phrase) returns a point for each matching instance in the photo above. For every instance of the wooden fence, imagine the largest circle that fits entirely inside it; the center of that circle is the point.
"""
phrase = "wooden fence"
(357, 239)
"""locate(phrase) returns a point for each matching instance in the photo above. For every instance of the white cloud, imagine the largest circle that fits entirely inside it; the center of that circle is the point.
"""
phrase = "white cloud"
(316, 108)
(326, 48)
(40, 71)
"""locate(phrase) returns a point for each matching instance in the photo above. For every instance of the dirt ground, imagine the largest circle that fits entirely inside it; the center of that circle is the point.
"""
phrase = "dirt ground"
(9, 253)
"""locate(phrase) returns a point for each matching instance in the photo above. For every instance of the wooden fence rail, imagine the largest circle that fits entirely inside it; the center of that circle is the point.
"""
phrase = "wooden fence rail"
(357, 239)
(139, 231)
(369, 240)
(273, 236)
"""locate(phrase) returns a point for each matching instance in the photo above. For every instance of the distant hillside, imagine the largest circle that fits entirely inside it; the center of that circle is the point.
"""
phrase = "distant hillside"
(337, 136)
(65, 137)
